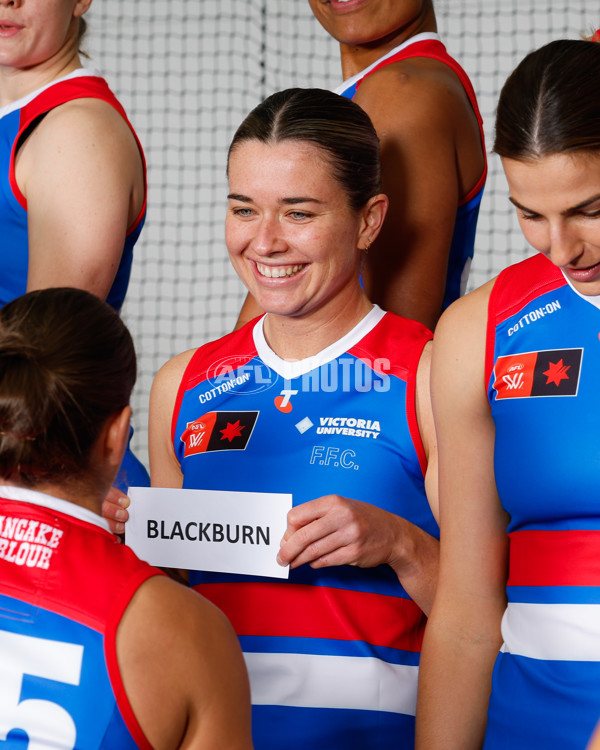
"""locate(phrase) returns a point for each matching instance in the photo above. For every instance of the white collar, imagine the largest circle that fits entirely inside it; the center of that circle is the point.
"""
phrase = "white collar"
(78, 72)
(289, 370)
(349, 82)
(10, 492)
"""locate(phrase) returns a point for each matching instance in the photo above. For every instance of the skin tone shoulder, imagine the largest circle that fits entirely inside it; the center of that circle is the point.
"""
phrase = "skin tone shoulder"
(557, 199)
(199, 696)
(295, 242)
(76, 225)
(431, 152)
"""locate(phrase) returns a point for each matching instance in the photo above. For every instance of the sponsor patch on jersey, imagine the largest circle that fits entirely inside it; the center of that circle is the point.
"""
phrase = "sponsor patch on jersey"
(219, 431)
(349, 426)
(27, 542)
(283, 403)
(547, 373)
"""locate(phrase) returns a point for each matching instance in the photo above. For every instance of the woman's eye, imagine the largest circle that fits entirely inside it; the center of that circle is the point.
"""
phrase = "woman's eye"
(528, 216)
(242, 211)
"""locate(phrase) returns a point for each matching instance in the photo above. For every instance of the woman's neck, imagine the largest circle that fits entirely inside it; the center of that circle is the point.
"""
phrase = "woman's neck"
(15, 83)
(79, 493)
(296, 338)
(357, 57)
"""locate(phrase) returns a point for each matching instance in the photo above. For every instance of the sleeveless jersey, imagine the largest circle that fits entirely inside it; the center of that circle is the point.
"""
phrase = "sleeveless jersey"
(333, 653)
(543, 360)
(16, 121)
(65, 582)
(463, 239)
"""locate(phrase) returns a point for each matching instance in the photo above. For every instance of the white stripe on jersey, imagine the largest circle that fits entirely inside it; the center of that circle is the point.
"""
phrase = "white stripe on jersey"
(324, 681)
(556, 632)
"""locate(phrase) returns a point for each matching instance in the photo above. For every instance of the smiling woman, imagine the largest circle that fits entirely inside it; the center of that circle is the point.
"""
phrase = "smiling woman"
(288, 240)
(333, 652)
(433, 162)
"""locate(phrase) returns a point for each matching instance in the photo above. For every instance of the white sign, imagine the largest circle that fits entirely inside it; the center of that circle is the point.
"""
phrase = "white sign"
(225, 532)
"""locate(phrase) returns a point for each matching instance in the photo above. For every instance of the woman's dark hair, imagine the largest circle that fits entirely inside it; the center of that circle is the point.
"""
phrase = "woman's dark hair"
(550, 103)
(334, 124)
(67, 362)
(81, 32)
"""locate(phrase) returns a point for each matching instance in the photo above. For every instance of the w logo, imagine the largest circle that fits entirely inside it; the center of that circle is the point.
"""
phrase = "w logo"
(513, 382)
(195, 439)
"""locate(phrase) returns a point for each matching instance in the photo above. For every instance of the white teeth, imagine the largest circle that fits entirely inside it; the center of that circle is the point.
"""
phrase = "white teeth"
(278, 272)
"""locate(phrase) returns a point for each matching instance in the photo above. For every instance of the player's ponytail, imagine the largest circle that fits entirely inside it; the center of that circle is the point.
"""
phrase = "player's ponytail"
(67, 362)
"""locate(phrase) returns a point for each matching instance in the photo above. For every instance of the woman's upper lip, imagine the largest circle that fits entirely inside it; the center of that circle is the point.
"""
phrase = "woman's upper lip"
(582, 268)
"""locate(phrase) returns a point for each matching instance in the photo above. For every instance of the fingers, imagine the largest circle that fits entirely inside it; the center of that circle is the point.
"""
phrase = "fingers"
(317, 532)
(307, 545)
(114, 510)
(334, 530)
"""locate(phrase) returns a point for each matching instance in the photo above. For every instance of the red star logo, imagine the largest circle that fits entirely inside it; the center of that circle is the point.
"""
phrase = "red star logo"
(556, 372)
(232, 430)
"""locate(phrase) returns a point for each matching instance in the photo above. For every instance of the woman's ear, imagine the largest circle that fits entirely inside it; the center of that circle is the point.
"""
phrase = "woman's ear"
(373, 215)
(116, 436)
(81, 7)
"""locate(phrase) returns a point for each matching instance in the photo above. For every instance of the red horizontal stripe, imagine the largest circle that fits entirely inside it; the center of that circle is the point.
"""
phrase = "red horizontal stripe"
(554, 558)
(302, 611)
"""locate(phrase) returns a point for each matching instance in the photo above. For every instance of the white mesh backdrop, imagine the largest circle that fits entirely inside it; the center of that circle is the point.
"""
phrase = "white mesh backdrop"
(188, 71)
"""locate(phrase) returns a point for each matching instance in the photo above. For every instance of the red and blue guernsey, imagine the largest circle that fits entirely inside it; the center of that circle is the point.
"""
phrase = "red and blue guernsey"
(332, 654)
(16, 122)
(543, 361)
(65, 582)
(463, 240)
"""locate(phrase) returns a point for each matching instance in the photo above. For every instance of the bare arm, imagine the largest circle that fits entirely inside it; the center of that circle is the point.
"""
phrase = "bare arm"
(183, 670)
(463, 633)
(82, 176)
(334, 530)
(164, 466)
(431, 156)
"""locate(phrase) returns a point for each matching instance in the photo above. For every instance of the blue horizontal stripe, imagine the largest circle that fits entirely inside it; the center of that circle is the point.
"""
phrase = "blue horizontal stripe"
(379, 580)
(554, 595)
(326, 647)
(276, 727)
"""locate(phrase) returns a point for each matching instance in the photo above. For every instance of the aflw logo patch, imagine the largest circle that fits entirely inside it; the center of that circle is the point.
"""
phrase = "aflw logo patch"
(219, 431)
(549, 373)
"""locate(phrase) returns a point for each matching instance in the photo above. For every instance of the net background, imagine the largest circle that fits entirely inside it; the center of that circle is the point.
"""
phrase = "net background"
(188, 71)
